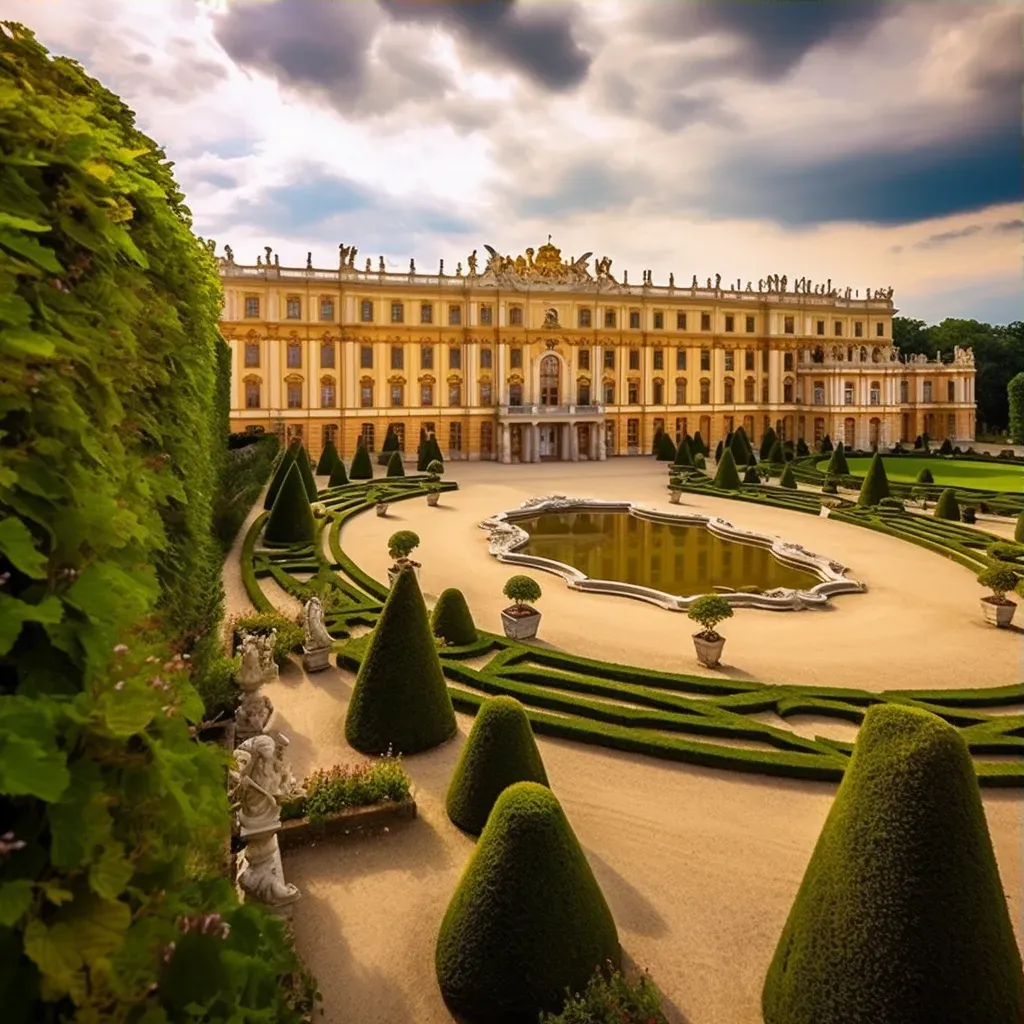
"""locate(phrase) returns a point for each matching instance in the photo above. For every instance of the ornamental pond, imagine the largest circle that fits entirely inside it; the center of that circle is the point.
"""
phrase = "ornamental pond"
(682, 560)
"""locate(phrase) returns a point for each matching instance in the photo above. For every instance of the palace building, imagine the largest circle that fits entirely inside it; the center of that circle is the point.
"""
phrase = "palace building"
(537, 358)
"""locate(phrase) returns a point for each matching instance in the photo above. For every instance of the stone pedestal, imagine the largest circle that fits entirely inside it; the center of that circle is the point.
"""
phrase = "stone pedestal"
(260, 875)
(316, 659)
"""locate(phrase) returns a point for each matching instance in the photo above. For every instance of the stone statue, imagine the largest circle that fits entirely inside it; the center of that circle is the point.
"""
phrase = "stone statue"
(412, 266)
(259, 261)
(551, 317)
(258, 668)
(309, 261)
(693, 283)
(671, 280)
(352, 258)
(343, 251)
(750, 287)
(268, 251)
(440, 269)
(783, 284)
(625, 277)
(317, 643)
(709, 283)
(604, 268)
(472, 263)
(458, 269)
(380, 266)
(229, 254)
(760, 284)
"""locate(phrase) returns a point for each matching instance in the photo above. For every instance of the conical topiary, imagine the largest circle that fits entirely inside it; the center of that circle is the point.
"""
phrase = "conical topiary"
(727, 476)
(283, 465)
(698, 444)
(306, 469)
(876, 484)
(925, 476)
(837, 465)
(328, 457)
(291, 518)
(740, 448)
(429, 452)
(751, 476)
(390, 445)
(801, 447)
(766, 443)
(666, 448)
(452, 620)
(788, 479)
(400, 700)
(656, 440)
(338, 475)
(826, 445)
(528, 920)
(684, 454)
(362, 467)
(719, 448)
(776, 456)
(500, 751)
(947, 506)
(395, 467)
(901, 914)
(699, 461)
(1018, 530)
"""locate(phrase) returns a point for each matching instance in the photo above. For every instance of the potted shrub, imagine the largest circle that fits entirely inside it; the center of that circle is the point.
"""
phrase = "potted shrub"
(377, 499)
(996, 608)
(400, 546)
(708, 611)
(435, 469)
(520, 620)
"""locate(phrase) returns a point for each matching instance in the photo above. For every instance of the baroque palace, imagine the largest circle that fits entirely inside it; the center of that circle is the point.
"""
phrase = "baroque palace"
(537, 358)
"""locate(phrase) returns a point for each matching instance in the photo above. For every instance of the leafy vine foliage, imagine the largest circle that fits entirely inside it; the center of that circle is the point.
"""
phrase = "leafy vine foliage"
(113, 820)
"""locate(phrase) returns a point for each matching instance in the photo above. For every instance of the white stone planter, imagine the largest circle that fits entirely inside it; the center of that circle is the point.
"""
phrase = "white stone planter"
(382, 509)
(674, 497)
(433, 498)
(709, 652)
(1000, 615)
(520, 627)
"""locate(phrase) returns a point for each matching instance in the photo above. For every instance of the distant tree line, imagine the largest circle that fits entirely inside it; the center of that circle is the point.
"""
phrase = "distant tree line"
(998, 356)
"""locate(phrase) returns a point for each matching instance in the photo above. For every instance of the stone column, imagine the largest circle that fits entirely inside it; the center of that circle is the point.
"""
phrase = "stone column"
(574, 442)
(526, 455)
(504, 443)
(602, 450)
(774, 377)
(502, 374)
(274, 374)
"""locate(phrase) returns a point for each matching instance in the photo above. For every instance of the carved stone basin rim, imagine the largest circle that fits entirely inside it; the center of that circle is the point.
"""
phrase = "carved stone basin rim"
(506, 538)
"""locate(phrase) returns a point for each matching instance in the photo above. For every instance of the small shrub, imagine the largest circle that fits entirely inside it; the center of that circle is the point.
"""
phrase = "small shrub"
(918, 443)
(826, 445)
(876, 483)
(395, 467)
(218, 687)
(838, 465)
(777, 454)
(769, 439)
(610, 998)
(968, 514)
(699, 461)
(1005, 551)
(332, 790)
(284, 463)
(289, 634)
(947, 506)
(751, 476)
(788, 479)
(925, 476)
(1018, 530)
(362, 467)
(708, 611)
(1000, 579)
(338, 475)
(892, 503)
(727, 477)
(291, 518)
(523, 590)
(699, 445)
(684, 453)
(402, 544)
(719, 448)
(451, 619)
(830, 486)
(436, 469)
(946, 448)
(666, 449)
(801, 447)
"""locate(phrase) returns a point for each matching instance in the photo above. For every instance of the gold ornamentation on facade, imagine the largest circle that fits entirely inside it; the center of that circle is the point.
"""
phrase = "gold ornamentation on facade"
(542, 265)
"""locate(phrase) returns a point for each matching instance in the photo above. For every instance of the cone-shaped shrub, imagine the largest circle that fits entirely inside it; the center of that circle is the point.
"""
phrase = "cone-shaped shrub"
(306, 469)
(946, 448)
(362, 467)
(284, 464)
(876, 483)
(395, 467)
(338, 475)
(751, 476)
(776, 456)
(1018, 532)
(837, 465)
(801, 447)
(500, 751)
(727, 476)
(925, 476)
(901, 915)
(657, 440)
(430, 451)
(787, 479)
(699, 461)
(766, 443)
(400, 699)
(666, 448)
(719, 448)
(699, 445)
(328, 457)
(918, 443)
(740, 448)
(528, 919)
(390, 445)
(826, 445)
(947, 506)
(452, 620)
(291, 518)
(684, 453)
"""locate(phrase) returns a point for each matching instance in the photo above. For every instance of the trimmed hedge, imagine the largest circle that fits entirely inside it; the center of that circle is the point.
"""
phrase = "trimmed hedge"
(837, 465)
(946, 507)
(769, 439)
(339, 478)
(666, 449)
(699, 445)
(528, 920)
(291, 519)
(328, 458)
(306, 469)
(245, 473)
(1015, 397)
(776, 456)
(901, 914)
(925, 476)
(390, 445)
(280, 472)
(826, 445)
(1018, 530)
(684, 454)
(400, 702)
(362, 467)
(395, 467)
(727, 476)
(451, 619)
(500, 750)
(876, 483)
(787, 479)
(740, 448)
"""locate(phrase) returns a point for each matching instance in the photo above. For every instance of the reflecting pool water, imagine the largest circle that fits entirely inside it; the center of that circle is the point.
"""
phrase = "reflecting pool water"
(679, 560)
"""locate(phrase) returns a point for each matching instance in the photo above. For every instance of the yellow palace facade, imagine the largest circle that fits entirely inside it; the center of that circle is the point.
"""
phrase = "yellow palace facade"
(537, 357)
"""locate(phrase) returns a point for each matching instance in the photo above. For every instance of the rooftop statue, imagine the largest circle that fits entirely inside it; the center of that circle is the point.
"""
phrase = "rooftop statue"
(544, 264)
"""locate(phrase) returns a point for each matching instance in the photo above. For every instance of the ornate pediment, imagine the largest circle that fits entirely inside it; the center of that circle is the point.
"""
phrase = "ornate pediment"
(396, 378)
(543, 266)
(485, 378)
(514, 378)
(583, 377)
(366, 379)
(426, 378)
(454, 378)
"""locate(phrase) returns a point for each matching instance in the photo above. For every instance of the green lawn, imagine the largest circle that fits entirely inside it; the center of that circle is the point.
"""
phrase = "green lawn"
(985, 476)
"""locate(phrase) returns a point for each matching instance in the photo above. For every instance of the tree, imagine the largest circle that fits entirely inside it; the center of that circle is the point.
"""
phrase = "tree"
(362, 467)
(500, 751)
(400, 701)
(767, 441)
(291, 518)
(528, 920)
(666, 449)
(395, 467)
(430, 451)
(901, 914)
(338, 475)
(727, 477)
(876, 484)
(947, 507)
(452, 620)
(656, 441)
(801, 447)
(328, 457)
(280, 472)
(1018, 530)
(390, 445)
(788, 479)
(837, 465)
(1015, 403)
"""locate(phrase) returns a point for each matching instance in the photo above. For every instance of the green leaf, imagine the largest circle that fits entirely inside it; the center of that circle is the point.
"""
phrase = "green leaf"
(130, 711)
(55, 952)
(18, 545)
(8, 220)
(111, 873)
(14, 613)
(80, 823)
(28, 769)
(27, 343)
(32, 251)
(15, 899)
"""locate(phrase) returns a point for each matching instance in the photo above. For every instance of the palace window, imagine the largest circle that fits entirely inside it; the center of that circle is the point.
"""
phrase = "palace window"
(633, 393)
(609, 359)
(748, 390)
(583, 358)
(366, 396)
(659, 321)
(252, 394)
(515, 316)
(252, 307)
(750, 325)
(609, 437)
(426, 394)
(609, 393)
(366, 357)
(904, 392)
(634, 359)
(426, 313)
(787, 361)
(634, 319)
(705, 391)
(486, 394)
(329, 433)
(748, 359)
(427, 357)
(681, 391)
(764, 391)
(455, 437)
(327, 309)
(397, 396)
(583, 318)
(366, 311)
(515, 395)
(486, 316)
(849, 353)
(705, 359)
(486, 438)
(659, 359)
(680, 321)
(633, 433)
(680, 358)
(455, 394)
(486, 358)
(950, 391)
(398, 312)
(397, 357)
(729, 388)
(951, 425)
(328, 394)
(293, 308)
(680, 428)
(293, 432)
(858, 329)
(454, 316)
(820, 327)
(294, 355)
(252, 354)
(927, 391)
(837, 328)
(705, 321)
(583, 393)
(294, 395)
(515, 358)
(609, 318)
(789, 325)
(454, 357)
(327, 355)
(864, 355)
(787, 391)
(658, 393)
(730, 361)
(400, 435)
(366, 433)
(730, 322)
(875, 393)
(847, 393)
(819, 392)
(879, 330)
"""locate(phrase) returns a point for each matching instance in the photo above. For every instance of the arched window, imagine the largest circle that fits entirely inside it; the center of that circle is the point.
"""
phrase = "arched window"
(252, 354)
(818, 355)
(876, 393)
(549, 380)
(515, 316)
(876, 355)
(515, 394)
(680, 390)
(874, 428)
(327, 355)
(850, 432)
(705, 391)
(366, 433)
(328, 393)
(486, 439)
(863, 354)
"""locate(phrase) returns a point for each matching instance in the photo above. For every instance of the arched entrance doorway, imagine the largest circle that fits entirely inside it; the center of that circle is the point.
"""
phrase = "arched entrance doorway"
(549, 380)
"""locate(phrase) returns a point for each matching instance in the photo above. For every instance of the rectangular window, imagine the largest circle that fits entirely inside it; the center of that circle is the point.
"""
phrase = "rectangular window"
(327, 355)
(927, 390)
(680, 321)
(583, 318)
(728, 396)
(787, 361)
(366, 357)
(659, 359)
(748, 359)
(398, 312)
(730, 323)
(515, 358)
(454, 357)
(397, 357)
(486, 438)
(426, 313)
(252, 395)
(634, 393)
(789, 325)
(294, 356)
(634, 319)
(366, 433)
(879, 330)
(486, 316)
(680, 358)
(659, 321)
(858, 329)
(819, 393)
(750, 325)
(950, 391)
(293, 308)
(584, 358)
(252, 306)
(634, 359)
(515, 316)
(820, 327)
(633, 433)
(583, 394)
(680, 392)
(366, 396)
(705, 359)
(904, 392)
(252, 354)
(748, 391)
(455, 394)
(609, 359)
(327, 309)
(486, 358)
(609, 393)
(486, 394)
(427, 357)
(426, 394)
(705, 321)
(400, 435)
(366, 311)
(658, 392)
(609, 318)
(837, 327)
(705, 392)
(454, 316)
(455, 437)
(730, 360)
(397, 399)
(847, 394)
(787, 392)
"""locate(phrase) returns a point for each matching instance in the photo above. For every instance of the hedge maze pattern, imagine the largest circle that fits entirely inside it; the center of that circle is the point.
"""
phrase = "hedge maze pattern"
(667, 715)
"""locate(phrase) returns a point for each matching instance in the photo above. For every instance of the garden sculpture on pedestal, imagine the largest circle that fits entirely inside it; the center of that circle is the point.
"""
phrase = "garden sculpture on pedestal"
(258, 667)
(317, 643)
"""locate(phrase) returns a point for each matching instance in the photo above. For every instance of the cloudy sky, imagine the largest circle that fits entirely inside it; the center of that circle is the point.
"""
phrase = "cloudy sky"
(873, 143)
